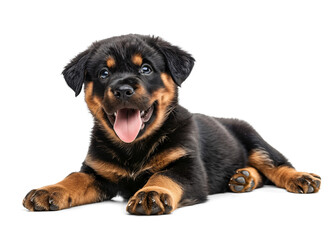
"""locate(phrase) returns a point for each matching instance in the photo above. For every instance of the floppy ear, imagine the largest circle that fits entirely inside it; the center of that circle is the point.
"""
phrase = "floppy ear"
(179, 62)
(74, 72)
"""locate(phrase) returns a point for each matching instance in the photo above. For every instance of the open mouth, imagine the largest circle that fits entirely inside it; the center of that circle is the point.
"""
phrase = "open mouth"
(128, 122)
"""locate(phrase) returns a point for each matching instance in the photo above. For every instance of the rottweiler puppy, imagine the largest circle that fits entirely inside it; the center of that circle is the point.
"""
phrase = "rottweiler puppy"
(148, 149)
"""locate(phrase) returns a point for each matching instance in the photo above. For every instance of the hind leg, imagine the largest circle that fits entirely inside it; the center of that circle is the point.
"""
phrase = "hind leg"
(245, 180)
(270, 162)
(284, 176)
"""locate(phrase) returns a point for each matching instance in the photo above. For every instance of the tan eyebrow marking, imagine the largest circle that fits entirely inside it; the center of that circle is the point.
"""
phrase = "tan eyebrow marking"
(110, 62)
(137, 59)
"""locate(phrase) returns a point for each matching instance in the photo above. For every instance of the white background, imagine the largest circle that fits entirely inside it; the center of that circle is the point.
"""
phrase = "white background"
(271, 63)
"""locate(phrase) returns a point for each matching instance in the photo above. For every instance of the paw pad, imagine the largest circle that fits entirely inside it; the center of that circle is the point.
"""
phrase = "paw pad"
(242, 181)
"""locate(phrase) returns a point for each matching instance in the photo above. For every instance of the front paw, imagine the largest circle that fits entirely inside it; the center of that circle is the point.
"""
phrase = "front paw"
(150, 201)
(48, 198)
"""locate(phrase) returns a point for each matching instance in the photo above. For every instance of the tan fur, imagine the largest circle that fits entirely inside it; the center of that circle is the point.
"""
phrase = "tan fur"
(278, 175)
(76, 189)
(253, 178)
(283, 176)
(107, 170)
(161, 185)
(114, 173)
(255, 174)
(95, 106)
(137, 59)
(164, 97)
(110, 62)
(163, 159)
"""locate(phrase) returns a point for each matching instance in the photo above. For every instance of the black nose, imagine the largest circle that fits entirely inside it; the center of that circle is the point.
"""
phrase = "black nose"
(123, 92)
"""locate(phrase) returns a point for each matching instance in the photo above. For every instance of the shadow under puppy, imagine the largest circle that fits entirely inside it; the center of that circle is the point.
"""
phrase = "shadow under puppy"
(146, 148)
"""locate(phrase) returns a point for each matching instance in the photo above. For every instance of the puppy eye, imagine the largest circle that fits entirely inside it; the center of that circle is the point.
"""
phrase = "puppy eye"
(104, 73)
(146, 69)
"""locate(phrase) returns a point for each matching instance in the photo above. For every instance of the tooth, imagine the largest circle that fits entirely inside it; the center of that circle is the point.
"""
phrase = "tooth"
(142, 113)
(115, 114)
(142, 126)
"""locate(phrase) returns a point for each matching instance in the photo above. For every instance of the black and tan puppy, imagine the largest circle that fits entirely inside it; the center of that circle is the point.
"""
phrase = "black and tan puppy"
(150, 150)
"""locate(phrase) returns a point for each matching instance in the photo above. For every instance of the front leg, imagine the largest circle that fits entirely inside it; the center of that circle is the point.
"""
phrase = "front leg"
(76, 189)
(182, 184)
(160, 195)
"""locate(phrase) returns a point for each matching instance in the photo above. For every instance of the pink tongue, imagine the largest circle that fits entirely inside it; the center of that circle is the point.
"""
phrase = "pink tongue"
(127, 124)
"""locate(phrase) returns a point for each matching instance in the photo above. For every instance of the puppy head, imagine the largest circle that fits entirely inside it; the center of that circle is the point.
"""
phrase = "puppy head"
(130, 83)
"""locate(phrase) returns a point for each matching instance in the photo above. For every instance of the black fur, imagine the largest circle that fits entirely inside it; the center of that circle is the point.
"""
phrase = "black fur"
(74, 73)
(215, 147)
(179, 62)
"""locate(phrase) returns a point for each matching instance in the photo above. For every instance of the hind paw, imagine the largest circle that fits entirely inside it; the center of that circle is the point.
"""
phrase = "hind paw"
(243, 181)
(302, 182)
